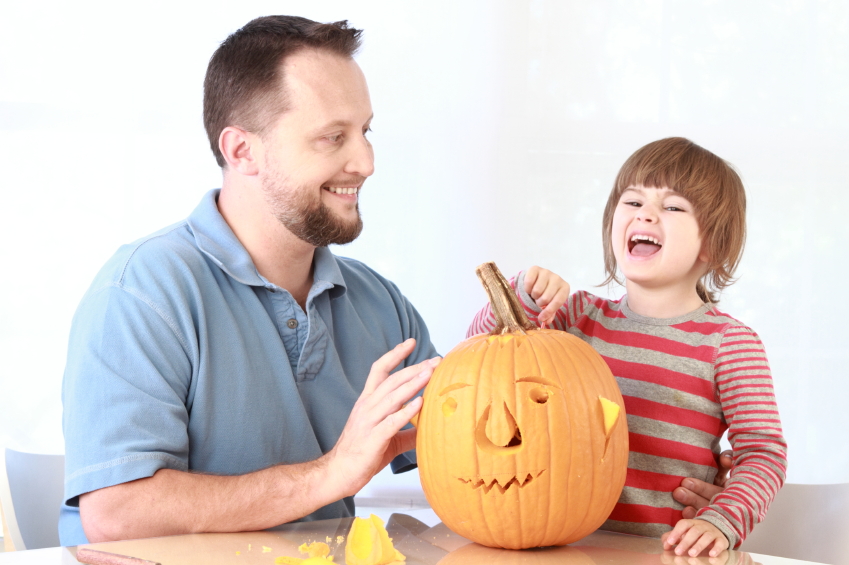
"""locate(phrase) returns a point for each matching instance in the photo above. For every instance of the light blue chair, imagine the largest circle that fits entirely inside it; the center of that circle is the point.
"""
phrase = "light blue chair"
(807, 522)
(31, 493)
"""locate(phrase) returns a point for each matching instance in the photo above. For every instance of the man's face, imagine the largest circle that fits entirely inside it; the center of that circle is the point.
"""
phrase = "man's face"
(316, 156)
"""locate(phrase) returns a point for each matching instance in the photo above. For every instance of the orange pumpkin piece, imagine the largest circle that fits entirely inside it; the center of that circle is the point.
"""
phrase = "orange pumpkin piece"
(318, 552)
(520, 441)
(369, 543)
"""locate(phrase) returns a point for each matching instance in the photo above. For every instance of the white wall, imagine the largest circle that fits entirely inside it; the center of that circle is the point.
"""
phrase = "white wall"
(499, 128)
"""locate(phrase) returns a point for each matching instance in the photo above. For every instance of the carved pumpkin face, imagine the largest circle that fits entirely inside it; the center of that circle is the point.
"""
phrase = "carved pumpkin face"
(512, 445)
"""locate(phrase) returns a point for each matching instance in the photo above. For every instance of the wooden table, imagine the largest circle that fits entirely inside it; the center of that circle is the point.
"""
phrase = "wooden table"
(423, 545)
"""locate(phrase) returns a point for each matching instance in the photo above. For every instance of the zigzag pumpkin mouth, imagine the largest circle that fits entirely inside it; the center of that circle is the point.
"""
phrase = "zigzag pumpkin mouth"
(488, 484)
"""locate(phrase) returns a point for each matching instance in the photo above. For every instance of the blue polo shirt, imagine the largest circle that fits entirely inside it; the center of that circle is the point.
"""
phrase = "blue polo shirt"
(182, 356)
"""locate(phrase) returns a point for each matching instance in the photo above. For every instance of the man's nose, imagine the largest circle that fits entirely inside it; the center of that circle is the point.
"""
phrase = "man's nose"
(361, 158)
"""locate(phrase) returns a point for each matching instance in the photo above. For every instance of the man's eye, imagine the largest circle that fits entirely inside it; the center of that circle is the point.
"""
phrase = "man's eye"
(366, 131)
(334, 138)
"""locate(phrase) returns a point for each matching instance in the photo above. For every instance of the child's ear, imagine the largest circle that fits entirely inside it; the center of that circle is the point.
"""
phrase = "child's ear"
(704, 256)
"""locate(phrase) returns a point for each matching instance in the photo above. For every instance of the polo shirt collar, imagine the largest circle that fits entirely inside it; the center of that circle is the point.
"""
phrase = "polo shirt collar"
(218, 242)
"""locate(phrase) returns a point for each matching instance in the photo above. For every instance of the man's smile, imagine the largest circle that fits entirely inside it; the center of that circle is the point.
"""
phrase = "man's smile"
(343, 190)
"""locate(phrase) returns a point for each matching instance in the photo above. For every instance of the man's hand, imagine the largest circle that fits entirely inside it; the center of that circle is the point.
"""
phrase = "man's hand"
(691, 537)
(548, 290)
(695, 494)
(372, 436)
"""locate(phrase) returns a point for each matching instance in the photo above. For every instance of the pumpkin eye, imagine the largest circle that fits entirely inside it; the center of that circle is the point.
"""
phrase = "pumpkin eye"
(449, 406)
(539, 395)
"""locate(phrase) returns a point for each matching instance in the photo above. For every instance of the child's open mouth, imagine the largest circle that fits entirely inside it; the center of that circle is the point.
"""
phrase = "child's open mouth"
(643, 245)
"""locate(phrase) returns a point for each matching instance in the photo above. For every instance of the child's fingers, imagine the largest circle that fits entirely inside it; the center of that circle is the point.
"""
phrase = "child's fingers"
(531, 276)
(671, 539)
(691, 537)
(720, 544)
(706, 540)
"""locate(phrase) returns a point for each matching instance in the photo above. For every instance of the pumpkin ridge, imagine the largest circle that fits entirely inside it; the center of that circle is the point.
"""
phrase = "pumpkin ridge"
(533, 354)
(481, 502)
(565, 528)
(597, 476)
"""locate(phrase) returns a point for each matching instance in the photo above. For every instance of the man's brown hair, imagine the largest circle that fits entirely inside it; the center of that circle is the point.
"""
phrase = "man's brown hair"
(709, 183)
(244, 79)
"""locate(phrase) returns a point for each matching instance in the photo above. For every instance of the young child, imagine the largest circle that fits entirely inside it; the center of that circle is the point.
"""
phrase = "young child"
(674, 227)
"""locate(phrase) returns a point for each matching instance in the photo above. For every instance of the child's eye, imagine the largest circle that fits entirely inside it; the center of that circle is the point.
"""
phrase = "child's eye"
(632, 203)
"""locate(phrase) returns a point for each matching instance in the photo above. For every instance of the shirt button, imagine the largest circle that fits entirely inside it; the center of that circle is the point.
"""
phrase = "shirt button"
(292, 323)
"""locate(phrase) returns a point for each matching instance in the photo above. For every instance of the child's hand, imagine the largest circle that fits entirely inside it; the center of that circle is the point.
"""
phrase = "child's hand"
(548, 290)
(695, 535)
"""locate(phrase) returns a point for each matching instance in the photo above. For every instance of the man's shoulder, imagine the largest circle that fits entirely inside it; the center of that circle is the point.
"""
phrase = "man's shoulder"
(167, 254)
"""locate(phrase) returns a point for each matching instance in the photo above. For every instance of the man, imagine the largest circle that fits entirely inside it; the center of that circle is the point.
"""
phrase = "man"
(216, 375)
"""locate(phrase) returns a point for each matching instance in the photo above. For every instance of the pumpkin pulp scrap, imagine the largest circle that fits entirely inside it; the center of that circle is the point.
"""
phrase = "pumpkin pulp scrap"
(318, 552)
(369, 543)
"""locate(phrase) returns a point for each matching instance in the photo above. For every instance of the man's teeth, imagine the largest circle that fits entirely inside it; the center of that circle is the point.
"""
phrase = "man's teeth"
(638, 238)
(341, 190)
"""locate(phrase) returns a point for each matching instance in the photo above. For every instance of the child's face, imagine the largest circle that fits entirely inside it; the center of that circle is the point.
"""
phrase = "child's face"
(656, 239)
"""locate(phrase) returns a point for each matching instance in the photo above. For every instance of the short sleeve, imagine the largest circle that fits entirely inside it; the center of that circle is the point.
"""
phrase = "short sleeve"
(124, 393)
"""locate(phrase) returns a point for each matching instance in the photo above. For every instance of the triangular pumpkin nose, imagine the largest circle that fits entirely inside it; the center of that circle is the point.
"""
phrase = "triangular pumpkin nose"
(501, 428)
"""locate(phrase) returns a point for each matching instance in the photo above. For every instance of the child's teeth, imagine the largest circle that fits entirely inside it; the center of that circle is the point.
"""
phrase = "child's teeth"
(645, 238)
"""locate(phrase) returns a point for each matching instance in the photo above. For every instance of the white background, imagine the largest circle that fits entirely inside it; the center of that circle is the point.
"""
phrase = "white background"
(499, 128)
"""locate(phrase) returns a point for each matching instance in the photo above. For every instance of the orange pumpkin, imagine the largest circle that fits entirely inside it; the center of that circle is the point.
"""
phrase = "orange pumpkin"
(521, 440)
(474, 554)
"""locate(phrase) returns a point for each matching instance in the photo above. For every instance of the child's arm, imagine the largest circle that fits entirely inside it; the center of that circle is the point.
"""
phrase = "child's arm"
(745, 391)
(541, 293)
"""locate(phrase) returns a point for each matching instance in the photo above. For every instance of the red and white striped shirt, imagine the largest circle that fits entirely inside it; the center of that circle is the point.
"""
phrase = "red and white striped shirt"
(685, 381)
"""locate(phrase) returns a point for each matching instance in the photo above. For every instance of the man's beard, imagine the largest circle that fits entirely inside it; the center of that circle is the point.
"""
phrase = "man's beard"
(313, 222)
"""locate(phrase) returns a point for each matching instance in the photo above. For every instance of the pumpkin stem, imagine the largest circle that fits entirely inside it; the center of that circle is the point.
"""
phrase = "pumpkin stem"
(509, 314)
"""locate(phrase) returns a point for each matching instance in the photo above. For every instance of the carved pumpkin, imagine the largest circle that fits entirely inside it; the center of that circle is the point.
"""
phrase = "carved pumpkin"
(520, 438)
(474, 554)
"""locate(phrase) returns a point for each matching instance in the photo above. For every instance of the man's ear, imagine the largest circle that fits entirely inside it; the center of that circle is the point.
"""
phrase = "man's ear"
(241, 149)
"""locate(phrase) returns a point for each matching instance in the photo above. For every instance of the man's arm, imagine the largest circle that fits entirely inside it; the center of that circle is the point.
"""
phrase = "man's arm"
(177, 502)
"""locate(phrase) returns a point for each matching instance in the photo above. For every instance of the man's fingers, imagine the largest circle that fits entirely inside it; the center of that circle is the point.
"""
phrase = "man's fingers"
(726, 461)
(381, 368)
(696, 493)
(688, 513)
(396, 391)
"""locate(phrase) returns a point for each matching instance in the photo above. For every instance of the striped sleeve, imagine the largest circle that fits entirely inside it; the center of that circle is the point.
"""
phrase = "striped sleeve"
(484, 320)
(744, 387)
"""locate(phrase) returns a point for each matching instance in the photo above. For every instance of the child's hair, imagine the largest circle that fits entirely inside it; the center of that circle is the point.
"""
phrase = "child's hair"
(713, 188)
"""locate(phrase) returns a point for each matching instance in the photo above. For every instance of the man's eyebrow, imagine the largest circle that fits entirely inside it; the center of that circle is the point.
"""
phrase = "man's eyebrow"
(339, 124)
